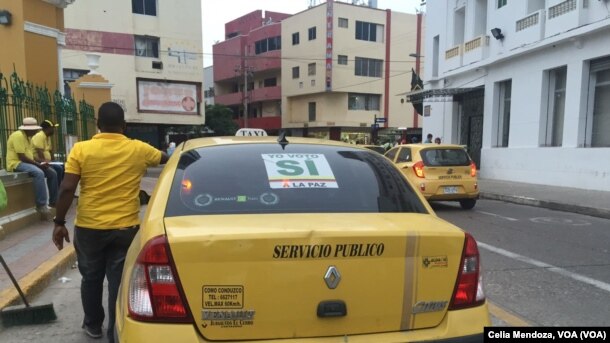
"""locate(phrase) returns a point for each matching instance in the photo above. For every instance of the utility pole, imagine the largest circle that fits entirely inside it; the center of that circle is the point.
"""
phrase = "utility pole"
(245, 71)
(417, 61)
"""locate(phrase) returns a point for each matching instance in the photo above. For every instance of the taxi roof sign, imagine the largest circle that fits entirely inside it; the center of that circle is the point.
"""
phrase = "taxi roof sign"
(251, 132)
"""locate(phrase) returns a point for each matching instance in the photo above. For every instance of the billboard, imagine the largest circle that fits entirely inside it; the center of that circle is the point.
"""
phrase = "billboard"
(157, 96)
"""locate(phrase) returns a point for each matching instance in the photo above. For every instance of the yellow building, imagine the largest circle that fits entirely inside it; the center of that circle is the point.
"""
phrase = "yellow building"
(31, 32)
(151, 53)
(344, 65)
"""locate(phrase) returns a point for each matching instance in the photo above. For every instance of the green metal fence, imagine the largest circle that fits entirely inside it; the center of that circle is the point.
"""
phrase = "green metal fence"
(20, 99)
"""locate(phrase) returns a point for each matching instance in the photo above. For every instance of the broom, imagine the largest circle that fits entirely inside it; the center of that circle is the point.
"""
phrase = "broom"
(19, 315)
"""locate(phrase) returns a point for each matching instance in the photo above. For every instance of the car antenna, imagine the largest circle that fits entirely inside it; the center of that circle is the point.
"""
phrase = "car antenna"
(282, 139)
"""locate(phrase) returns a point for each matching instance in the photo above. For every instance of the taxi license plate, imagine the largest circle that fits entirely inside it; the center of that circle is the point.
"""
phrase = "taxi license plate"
(451, 190)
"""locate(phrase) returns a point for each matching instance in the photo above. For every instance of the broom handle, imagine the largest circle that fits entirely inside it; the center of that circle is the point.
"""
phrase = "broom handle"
(8, 271)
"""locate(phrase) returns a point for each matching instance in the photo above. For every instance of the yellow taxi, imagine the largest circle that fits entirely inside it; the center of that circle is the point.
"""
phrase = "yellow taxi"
(376, 148)
(440, 171)
(295, 240)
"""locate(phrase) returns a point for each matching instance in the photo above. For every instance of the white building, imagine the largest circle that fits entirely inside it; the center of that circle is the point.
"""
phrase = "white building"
(151, 53)
(525, 84)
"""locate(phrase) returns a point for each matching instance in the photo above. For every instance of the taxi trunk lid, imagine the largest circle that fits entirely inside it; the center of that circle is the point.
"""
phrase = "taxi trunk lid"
(271, 276)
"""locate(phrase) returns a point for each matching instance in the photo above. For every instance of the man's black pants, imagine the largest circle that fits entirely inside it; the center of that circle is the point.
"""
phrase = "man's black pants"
(101, 253)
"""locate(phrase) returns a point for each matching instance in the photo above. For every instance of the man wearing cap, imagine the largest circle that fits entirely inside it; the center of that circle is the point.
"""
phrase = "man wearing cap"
(20, 158)
(43, 149)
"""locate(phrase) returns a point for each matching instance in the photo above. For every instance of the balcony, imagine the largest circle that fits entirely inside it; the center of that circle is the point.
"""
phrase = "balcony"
(266, 61)
(530, 29)
(476, 50)
(453, 58)
(562, 16)
(229, 99)
(266, 93)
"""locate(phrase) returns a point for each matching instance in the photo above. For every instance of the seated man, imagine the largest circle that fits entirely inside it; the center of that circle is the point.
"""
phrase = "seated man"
(20, 158)
(43, 149)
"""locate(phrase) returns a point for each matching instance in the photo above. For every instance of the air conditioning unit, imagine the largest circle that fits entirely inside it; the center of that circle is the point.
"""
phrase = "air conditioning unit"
(157, 65)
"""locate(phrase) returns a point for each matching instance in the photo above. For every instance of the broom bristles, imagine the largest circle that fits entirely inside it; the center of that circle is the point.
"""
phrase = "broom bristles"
(21, 315)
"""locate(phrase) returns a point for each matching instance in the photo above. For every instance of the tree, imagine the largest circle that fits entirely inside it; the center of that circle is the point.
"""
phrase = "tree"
(219, 118)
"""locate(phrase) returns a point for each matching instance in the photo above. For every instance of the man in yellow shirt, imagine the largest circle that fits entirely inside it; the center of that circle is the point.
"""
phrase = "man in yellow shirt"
(20, 158)
(43, 149)
(109, 167)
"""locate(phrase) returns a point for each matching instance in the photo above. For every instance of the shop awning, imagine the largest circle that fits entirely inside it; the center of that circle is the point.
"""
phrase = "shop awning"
(433, 95)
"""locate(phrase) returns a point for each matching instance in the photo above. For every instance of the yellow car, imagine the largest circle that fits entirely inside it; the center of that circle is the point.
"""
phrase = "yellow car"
(376, 148)
(440, 171)
(295, 240)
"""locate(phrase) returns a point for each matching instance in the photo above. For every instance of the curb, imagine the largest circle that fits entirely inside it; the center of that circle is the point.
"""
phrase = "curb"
(36, 281)
(552, 205)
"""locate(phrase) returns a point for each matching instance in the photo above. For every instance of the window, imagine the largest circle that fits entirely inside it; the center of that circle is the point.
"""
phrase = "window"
(312, 111)
(268, 44)
(391, 154)
(311, 33)
(343, 22)
(270, 82)
(501, 3)
(295, 72)
(369, 183)
(363, 102)
(369, 31)
(311, 69)
(435, 55)
(295, 38)
(598, 113)
(503, 113)
(146, 7)
(342, 59)
(556, 107)
(368, 67)
(147, 46)
(404, 155)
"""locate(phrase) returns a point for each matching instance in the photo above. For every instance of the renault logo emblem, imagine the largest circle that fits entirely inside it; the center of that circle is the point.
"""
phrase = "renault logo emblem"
(332, 277)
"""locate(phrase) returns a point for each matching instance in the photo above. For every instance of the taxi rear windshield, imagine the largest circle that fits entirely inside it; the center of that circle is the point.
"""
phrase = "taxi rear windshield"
(302, 178)
(445, 157)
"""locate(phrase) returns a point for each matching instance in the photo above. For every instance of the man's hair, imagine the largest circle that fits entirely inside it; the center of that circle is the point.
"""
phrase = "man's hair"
(45, 124)
(110, 115)
(429, 135)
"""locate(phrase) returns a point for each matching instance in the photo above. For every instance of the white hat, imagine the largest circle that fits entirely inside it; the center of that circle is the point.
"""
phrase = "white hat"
(29, 123)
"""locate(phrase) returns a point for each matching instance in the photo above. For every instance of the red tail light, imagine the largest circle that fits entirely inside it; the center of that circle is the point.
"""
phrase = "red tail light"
(468, 290)
(155, 294)
(418, 168)
(473, 169)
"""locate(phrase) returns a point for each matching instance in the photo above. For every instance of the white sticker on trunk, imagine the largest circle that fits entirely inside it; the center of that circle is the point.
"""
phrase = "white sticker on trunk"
(299, 171)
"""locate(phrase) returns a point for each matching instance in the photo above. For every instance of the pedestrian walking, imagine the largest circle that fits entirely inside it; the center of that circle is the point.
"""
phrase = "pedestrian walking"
(109, 167)
(437, 140)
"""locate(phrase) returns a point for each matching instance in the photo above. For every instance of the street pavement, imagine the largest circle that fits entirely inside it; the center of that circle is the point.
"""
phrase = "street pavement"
(29, 250)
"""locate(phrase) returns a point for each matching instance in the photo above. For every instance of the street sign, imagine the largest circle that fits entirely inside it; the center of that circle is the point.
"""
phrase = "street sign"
(380, 120)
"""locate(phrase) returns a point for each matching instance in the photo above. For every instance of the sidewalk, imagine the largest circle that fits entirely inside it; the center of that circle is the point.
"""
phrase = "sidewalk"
(581, 201)
(33, 258)
(36, 262)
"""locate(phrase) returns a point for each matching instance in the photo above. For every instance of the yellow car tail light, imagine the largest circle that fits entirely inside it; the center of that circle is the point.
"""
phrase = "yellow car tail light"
(155, 293)
(469, 286)
(418, 168)
(473, 169)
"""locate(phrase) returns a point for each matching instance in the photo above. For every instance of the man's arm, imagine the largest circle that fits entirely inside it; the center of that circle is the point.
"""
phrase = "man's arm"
(164, 157)
(26, 159)
(64, 201)
(39, 155)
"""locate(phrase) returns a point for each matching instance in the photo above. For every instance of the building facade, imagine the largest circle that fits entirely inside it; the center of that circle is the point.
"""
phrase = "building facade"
(344, 65)
(208, 85)
(525, 84)
(247, 70)
(151, 53)
(32, 34)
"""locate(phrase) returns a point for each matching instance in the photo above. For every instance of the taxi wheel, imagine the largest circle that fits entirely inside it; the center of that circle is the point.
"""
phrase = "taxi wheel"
(468, 204)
